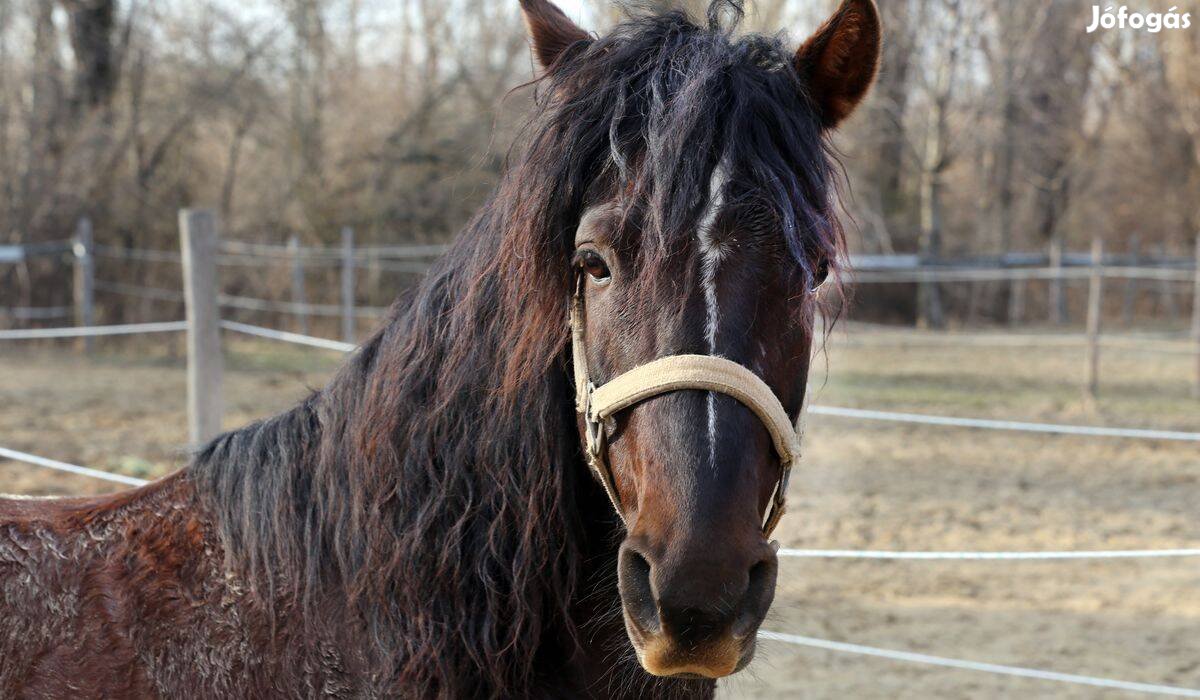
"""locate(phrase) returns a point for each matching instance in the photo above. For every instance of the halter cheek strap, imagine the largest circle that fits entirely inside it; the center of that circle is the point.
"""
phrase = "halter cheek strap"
(669, 374)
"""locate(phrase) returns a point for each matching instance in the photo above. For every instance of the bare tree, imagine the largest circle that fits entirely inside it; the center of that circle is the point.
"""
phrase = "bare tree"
(947, 39)
(996, 126)
(1181, 57)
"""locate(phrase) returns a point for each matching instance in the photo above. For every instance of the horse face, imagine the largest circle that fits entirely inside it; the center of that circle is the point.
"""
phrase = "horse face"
(695, 470)
(732, 275)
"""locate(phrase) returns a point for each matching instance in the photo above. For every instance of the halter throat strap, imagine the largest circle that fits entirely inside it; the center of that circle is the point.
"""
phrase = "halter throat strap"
(669, 374)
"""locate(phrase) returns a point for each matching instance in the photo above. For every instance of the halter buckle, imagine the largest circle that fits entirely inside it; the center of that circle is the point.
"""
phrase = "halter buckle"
(593, 428)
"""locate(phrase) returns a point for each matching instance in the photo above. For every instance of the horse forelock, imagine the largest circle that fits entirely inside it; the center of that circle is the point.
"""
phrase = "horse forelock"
(645, 115)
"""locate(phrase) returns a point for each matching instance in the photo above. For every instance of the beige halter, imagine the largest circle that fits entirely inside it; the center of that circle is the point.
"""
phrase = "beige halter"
(673, 373)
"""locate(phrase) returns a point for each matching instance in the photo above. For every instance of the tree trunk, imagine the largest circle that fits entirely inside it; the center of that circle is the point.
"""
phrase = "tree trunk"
(96, 67)
(929, 297)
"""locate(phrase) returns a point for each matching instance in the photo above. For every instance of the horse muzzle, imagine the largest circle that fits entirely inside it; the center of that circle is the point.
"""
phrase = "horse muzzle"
(694, 615)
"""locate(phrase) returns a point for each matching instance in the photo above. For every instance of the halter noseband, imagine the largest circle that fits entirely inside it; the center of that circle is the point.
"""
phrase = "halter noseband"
(674, 373)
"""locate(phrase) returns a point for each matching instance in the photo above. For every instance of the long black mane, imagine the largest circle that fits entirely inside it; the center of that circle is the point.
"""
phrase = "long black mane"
(431, 492)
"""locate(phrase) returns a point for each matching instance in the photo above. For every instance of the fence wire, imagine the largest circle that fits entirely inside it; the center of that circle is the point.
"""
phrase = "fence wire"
(960, 664)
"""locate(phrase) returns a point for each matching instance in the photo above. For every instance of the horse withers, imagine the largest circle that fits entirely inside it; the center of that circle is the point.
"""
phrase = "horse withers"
(427, 524)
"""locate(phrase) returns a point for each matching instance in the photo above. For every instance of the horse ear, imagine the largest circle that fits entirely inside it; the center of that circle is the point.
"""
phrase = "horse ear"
(551, 30)
(839, 62)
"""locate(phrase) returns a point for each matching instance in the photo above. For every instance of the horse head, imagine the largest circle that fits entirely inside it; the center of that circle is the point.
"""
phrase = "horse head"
(703, 225)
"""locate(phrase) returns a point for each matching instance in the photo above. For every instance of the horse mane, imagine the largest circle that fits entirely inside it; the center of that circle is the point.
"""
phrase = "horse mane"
(433, 483)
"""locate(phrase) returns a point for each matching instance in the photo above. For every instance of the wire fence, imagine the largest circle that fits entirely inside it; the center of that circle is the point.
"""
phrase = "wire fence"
(289, 307)
(20, 253)
(886, 336)
(95, 331)
(1016, 274)
(231, 301)
(408, 259)
(398, 252)
(987, 556)
(284, 336)
(1057, 267)
(793, 639)
(48, 463)
(1007, 425)
(37, 313)
(999, 669)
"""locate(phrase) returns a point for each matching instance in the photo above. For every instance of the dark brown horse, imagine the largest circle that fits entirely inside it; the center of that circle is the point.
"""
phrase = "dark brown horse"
(426, 525)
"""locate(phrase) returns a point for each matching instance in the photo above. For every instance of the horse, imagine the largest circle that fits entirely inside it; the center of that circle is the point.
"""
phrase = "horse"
(428, 523)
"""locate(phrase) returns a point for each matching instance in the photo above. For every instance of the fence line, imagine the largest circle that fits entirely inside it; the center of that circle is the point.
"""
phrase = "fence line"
(258, 261)
(1018, 426)
(298, 308)
(1049, 258)
(18, 253)
(903, 338)
(143, 254)
(793, 553)
(95, 331)
(1096, 268)
(37, 313)
(286, 337)
(267, 250)
(253, 255)
(866, 332)
(1179, 334)
(836, 411)
(244, 303)
(960, 664)
(27, 458)
(225, 259)
(918, 418)
(940, 274)
(134, 290)
(402, 266)
(987, 556)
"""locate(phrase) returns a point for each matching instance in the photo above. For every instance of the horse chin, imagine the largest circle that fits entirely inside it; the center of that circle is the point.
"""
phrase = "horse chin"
(659, 655)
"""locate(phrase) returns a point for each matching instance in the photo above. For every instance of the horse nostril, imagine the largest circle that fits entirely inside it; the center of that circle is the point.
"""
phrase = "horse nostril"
(762, 575)
(760, 591)
(633, 580)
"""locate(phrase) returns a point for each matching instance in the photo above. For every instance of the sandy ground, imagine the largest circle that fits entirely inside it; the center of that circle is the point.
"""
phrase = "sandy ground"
(863, 485)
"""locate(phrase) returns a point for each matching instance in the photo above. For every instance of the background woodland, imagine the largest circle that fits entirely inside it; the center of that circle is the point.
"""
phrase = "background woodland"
(997, 126)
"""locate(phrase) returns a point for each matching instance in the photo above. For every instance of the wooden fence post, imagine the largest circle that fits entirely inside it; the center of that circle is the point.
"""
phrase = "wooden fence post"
(1095, 309)
(85, 280)
(1129, 304)
(198, 237)
(374, 276)
(1058, 299)
(301, 311)
(1165, 293)
(1196, 318)
(930, 310)
(1016, 301)
(348, 286)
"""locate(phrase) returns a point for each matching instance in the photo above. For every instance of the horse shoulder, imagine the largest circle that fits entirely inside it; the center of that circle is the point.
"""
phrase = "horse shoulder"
(115, 596)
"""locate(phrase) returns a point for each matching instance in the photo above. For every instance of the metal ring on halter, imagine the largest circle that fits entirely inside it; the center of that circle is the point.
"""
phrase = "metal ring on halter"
(593, 427)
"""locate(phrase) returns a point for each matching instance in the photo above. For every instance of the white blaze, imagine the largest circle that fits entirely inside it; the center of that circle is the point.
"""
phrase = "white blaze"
(711, 254)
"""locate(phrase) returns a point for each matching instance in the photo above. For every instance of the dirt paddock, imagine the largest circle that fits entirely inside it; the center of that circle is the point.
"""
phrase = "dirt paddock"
(862, 485)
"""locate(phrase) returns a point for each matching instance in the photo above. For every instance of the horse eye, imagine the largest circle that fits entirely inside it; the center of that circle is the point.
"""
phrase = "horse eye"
(594, 265)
